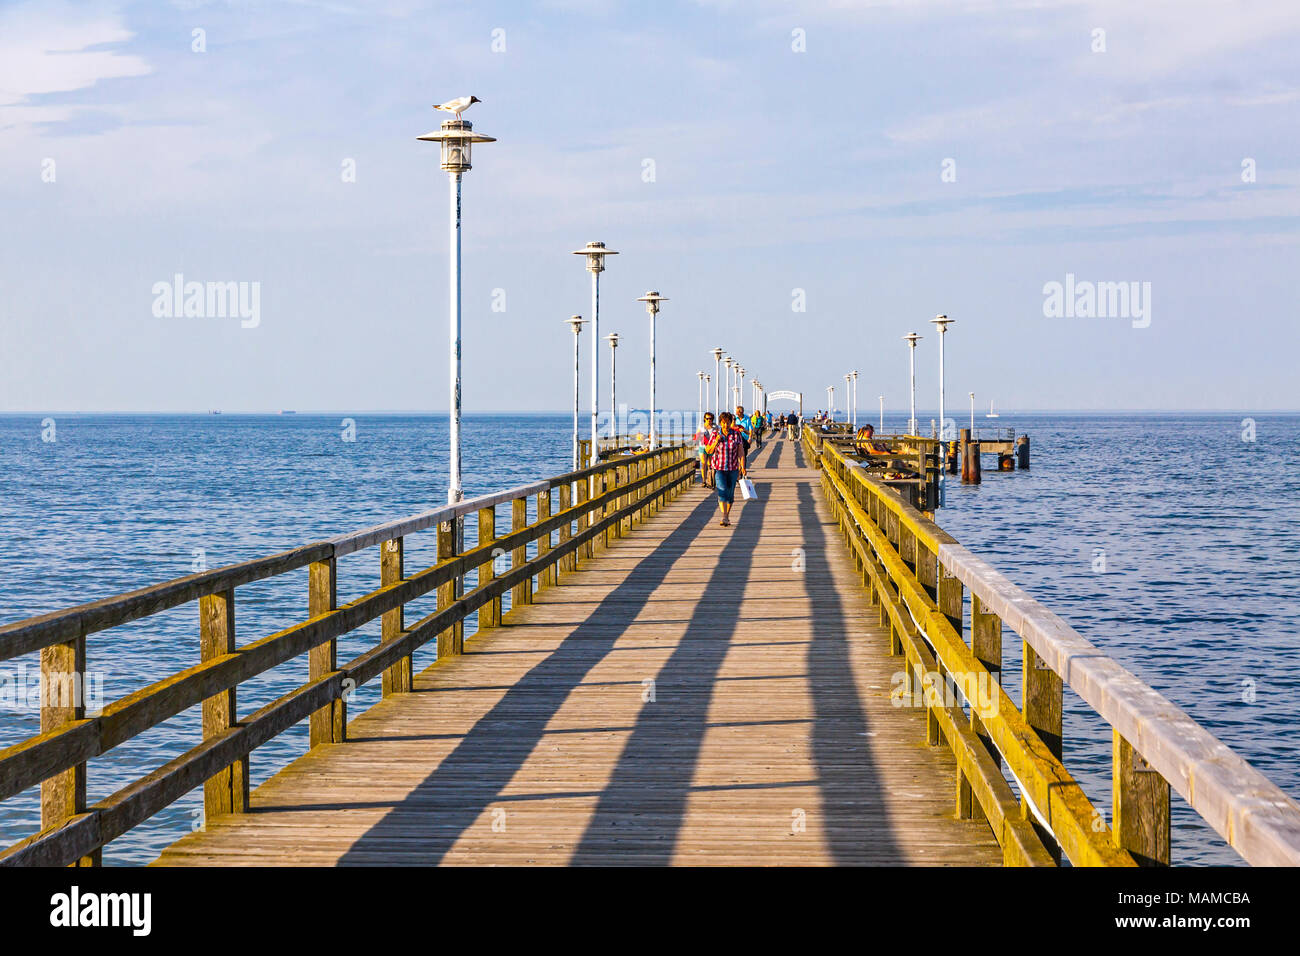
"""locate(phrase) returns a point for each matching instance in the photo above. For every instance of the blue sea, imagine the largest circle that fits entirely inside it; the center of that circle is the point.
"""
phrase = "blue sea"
(1166, 539)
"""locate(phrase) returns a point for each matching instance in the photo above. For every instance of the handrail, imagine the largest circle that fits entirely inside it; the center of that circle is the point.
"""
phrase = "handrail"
(1152, 737)
(629, 489)
(55, 627)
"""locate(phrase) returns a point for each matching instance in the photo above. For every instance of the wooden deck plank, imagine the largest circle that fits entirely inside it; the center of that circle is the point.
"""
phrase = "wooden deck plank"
(770, 738)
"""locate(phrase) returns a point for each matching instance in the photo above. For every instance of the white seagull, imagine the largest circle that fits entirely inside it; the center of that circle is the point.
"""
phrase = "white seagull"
(459, 105)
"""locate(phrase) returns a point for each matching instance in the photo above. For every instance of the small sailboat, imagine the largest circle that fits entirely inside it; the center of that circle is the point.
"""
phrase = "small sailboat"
(992, 413)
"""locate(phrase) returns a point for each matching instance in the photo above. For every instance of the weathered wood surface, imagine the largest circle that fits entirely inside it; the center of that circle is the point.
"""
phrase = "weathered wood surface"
(693, 695)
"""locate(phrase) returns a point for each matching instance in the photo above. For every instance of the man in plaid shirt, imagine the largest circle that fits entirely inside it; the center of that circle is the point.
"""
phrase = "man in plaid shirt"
(727, 448)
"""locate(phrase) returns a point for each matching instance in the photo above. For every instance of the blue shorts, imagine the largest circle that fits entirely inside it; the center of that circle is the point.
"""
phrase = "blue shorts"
(725, 481)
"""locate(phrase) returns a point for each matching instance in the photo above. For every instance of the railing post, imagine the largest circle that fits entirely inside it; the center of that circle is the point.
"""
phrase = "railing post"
(582, 520)
(986, 645)
(329, 724)
(546, 576)
(1041, 693)
(521, 593)
(226, 791)
(1140, 805)
(489, 615)
(63, 701)
(567, 562)
(611, 486)
(398, 678)
(451, 642)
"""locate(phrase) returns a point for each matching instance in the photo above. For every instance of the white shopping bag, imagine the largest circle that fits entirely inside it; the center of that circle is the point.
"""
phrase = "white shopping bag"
(747, 489)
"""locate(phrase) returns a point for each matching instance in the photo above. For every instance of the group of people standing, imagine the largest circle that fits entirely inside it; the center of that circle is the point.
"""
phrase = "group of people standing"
(724, 446)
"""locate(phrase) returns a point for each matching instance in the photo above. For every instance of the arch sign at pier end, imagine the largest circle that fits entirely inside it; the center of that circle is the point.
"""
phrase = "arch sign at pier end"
(789, 396)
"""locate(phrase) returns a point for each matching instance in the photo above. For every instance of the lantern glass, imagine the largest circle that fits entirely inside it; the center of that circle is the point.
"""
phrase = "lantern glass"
(455, 155)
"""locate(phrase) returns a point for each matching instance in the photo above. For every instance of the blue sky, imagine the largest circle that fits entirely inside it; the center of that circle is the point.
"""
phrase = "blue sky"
(775, 169)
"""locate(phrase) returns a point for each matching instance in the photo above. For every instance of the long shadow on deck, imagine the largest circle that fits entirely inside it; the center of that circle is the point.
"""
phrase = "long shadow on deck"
(642, 821)
(846, 773)
(497, 746)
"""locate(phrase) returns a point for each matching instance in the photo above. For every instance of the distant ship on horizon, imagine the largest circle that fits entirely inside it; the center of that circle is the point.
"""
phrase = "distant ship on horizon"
(992, 413)
(287, 411)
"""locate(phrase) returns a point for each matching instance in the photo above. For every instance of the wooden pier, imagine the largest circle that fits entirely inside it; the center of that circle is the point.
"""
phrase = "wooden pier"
(819, 684)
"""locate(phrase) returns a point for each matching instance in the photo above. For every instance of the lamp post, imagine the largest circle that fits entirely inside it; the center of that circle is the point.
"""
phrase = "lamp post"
(882, 414)
(595, 253)
(575, 323)
(457, 138)
(912, 338)
(717, 380)
(612, 339)
(854, 373)
(941, 322)
(708, 383)
(972, 414)
(730, 391)
(699, 404)
(830, 401)
(740, 384)
(848, 398)
(652, 300)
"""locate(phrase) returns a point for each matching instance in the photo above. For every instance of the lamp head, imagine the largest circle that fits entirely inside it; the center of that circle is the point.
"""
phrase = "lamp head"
(575, 323)
(612, 339)
(717, 355)
(652, 300)
(456, 138)
(595, 253)
(912, 338)
(942, 321)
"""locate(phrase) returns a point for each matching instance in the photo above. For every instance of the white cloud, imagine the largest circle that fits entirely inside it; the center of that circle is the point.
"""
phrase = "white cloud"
(55, 47)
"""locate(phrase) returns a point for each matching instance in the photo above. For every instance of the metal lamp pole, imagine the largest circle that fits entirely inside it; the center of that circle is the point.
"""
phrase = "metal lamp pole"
(972, 414)
(595, 253)
(699, 402)
(830, 401)
(612, 339)
(848, 397)
(912, 338)
(652, 300)
(941, 322)
(854, 373)
(730, 391)
(882, 414)
(717, 381)
(740, 384)
(575, 323)
(456, 137)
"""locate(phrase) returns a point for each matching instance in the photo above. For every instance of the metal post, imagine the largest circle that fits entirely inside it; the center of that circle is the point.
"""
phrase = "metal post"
(595, 365)
(942, 322)
(575, 322)
(911, 420)
(717, 383)
(912, 338)
(454, 492)
(882, 414)
(613, 393)
(653, 429)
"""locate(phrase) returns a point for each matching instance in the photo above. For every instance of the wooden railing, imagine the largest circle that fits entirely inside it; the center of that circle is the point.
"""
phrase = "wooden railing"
(595, 505)
(917, 575)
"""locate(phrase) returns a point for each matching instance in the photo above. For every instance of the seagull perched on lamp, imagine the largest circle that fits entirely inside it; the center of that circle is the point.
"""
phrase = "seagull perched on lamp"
(459, 105)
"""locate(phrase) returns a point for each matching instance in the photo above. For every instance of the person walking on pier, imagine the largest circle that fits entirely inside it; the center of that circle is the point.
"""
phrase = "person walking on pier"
(741, 423)
(727, 449)
(792, 426)
(704, 435)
